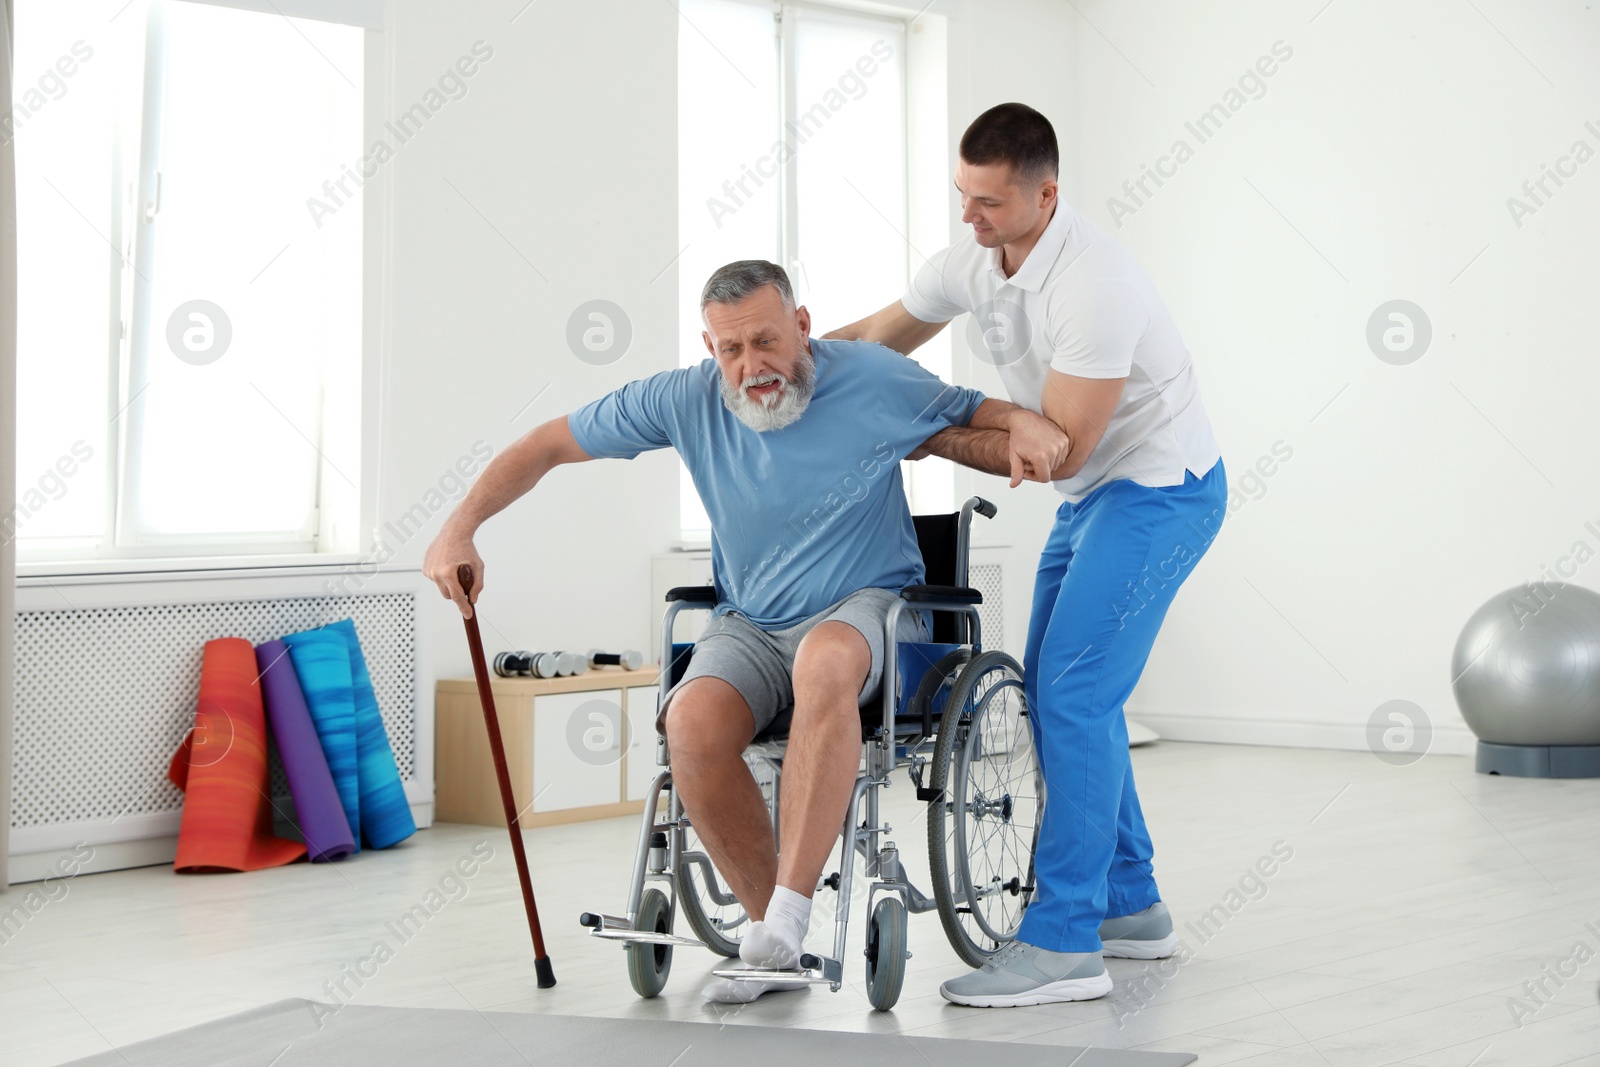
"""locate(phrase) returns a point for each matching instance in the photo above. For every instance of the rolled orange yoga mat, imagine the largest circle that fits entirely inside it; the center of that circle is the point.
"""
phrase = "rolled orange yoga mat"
(222, 768)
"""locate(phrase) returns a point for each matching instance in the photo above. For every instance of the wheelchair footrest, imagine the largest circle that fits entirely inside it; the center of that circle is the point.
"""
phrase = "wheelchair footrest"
(832, 970)
(619, 928)
(763, 974)
(646, 937)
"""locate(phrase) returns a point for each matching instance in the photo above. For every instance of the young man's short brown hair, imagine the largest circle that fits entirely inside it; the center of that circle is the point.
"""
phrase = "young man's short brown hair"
(1014, 134)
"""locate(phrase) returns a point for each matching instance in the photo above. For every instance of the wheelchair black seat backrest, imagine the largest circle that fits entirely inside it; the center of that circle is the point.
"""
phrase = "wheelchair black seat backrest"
(938, 538)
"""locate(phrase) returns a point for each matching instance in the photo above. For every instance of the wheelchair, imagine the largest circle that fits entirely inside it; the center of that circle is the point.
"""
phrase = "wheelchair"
(951, 713)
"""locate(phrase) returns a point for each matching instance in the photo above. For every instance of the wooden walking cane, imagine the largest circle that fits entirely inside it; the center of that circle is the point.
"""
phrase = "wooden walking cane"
(541, 961)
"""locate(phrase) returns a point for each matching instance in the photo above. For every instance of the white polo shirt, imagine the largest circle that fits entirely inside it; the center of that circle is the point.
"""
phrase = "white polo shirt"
(1081, 305)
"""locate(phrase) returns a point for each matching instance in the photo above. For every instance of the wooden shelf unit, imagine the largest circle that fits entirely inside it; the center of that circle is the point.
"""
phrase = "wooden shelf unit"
(581, 747)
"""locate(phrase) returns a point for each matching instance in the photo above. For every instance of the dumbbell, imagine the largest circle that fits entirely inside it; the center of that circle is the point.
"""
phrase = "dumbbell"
(540, 664)
(628, 659)
(572, 663)
(527, 664)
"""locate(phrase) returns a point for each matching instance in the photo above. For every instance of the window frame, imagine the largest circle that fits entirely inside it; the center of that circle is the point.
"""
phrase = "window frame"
(126, 486)
(787, 15)
(337, 516)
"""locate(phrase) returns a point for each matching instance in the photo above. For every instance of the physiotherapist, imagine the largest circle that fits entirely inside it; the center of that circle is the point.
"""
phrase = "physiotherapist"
(1078, 333)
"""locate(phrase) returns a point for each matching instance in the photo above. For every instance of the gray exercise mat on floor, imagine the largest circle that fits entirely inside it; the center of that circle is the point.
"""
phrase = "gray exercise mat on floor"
(285, 1034)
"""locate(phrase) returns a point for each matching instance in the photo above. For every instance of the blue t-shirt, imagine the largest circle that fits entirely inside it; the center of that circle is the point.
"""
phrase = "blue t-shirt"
(803, 516)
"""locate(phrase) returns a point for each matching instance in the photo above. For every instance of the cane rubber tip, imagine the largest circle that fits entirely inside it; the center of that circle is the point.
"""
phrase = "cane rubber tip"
(547, 976)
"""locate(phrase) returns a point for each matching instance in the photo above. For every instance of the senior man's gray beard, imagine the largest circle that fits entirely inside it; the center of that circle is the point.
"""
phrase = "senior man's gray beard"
(783, 408)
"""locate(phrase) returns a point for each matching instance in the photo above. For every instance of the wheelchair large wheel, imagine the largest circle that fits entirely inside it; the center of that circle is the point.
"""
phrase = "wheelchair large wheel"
(886, 953)
(984, 823)
(714, 913)
(649, 965)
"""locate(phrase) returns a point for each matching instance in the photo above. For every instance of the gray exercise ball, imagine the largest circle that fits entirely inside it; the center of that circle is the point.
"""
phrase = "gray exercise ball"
(1527, 667)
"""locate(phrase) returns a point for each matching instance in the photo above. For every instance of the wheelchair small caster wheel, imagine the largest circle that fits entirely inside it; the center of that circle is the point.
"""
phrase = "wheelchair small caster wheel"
(649, 965)
(886, 953)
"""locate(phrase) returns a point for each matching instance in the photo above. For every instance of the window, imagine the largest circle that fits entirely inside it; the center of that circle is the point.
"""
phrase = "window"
(792, 147)
(185, 323)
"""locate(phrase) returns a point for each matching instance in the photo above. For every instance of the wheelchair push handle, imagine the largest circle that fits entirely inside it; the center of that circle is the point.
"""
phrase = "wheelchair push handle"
(983, 507)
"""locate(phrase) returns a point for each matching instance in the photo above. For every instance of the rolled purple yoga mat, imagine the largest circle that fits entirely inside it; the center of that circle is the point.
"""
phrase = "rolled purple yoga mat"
(316, 799)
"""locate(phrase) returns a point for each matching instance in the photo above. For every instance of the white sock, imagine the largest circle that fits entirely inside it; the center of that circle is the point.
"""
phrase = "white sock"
(777, 941)
(790, 913)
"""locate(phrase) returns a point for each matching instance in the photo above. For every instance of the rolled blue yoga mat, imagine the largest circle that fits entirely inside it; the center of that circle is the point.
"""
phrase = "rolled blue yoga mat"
(333, 673)
(322, 662)
(385, 812)
(317, 808)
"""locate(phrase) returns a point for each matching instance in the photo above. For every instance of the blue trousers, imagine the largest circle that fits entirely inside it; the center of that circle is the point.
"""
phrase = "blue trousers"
(1112, 564)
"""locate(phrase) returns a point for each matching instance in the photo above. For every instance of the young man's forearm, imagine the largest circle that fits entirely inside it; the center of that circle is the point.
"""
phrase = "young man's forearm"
(893, 327)
(1034, 445)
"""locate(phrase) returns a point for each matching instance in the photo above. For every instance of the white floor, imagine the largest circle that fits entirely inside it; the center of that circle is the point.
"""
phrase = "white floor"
(1416, 904)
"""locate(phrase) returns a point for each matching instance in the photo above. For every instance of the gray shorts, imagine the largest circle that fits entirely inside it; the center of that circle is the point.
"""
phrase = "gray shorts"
(760, 663)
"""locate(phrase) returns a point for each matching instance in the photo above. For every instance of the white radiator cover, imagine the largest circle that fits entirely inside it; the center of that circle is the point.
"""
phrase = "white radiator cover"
(988, 579)
(107, 673)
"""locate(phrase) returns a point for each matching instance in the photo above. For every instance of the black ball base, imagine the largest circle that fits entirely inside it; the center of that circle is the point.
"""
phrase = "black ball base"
(1539, 761)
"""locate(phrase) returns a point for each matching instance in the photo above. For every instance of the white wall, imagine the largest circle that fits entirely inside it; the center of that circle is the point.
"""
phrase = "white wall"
(1390, 141)
(569, 565)
(1376, 166)
(470, 333)
(8, 439)
(566, 145)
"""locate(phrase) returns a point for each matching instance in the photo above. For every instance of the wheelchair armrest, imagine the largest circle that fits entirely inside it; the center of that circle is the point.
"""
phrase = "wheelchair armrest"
(959, 594)
(692, 594)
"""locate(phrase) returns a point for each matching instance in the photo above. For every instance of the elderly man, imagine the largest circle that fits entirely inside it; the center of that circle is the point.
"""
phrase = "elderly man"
(775, 426)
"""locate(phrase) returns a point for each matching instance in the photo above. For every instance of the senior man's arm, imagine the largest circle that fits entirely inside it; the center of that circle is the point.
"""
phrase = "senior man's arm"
(1004, 439)
(508, 477)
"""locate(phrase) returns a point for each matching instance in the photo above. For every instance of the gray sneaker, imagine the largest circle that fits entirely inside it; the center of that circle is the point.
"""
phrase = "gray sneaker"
(1144, 935)
(1021, 974)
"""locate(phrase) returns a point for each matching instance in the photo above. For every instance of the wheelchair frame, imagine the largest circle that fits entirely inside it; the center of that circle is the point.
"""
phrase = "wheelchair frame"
(659, 853)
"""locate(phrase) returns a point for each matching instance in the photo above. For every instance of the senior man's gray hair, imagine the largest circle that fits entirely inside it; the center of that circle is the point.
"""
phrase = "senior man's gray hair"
(732, 283)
